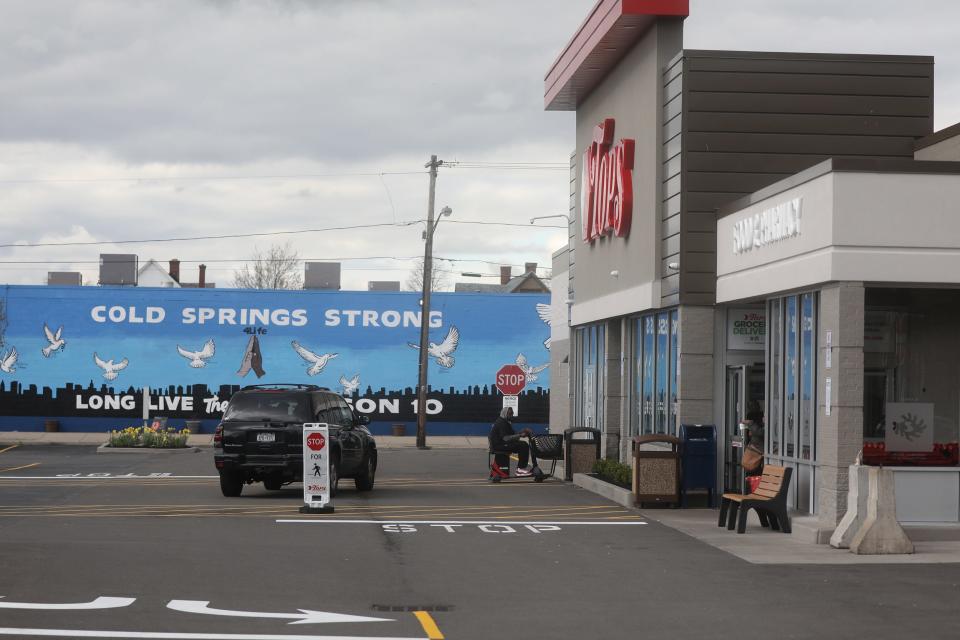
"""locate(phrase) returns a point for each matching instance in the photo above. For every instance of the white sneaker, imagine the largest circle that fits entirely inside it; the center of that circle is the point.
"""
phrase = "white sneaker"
(524, 471)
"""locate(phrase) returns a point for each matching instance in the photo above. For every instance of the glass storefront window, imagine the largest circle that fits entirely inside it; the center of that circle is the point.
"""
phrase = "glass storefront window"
(792, 392)
(790, 378)
(588, 404)
(647, 375)
(656, 354)
(635, 399)
(675, 370)
(774, 423)
(808, 365)
(663, 347)
(911, 346)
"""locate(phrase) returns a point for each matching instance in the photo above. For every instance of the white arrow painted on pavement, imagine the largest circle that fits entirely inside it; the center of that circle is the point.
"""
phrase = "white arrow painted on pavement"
(304, 617)
(103, 602)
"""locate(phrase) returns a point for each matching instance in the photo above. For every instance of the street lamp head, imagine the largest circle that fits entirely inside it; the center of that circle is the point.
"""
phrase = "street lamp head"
(555, 215)
(446, 211)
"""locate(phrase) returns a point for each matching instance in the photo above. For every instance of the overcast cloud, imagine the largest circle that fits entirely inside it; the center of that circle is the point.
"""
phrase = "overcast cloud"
(92, 93)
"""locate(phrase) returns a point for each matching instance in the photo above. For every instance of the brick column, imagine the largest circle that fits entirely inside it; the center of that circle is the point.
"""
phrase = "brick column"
(695, 393)
(839, 435)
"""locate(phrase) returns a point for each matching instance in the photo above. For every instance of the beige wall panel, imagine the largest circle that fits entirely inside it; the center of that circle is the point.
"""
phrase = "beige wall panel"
(630, 95)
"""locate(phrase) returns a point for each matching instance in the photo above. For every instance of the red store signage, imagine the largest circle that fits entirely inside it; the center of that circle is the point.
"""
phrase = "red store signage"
(607, 184)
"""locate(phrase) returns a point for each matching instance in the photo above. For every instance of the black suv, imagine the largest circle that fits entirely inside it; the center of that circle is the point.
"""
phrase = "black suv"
(260, 438)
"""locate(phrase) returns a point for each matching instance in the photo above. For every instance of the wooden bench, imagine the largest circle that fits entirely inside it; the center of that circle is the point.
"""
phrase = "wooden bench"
(769, 501)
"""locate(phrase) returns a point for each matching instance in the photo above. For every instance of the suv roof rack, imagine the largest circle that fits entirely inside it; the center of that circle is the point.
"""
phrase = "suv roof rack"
(279, 386)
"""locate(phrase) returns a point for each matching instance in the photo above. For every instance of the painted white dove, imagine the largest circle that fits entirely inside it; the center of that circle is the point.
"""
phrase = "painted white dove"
(8, 361)
(543, 310)
(351, 385)
(56, 342)
(110, 370)
(442, 352)
(317, 362)
(198, 358)
(529, 372)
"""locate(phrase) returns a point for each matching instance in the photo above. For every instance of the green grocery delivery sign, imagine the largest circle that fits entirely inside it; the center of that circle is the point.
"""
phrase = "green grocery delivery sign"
(746, 329)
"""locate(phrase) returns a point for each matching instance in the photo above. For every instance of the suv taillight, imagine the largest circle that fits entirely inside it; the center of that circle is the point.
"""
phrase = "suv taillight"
(218, 437)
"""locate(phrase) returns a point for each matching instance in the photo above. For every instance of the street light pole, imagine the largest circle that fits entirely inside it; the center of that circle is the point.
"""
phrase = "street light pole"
(425, 308)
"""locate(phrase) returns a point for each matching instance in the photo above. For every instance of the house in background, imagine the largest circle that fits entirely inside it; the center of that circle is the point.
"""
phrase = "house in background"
(527, 282)
(152, 274)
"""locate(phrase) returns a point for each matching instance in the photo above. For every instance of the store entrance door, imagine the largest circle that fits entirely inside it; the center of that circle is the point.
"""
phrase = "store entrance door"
(744, 387)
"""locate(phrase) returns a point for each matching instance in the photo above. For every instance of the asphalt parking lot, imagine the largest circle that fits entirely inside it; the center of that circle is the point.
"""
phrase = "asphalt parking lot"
(145, 546)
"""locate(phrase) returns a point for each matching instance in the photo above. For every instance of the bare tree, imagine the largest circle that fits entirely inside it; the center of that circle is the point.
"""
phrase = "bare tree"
(438, 279)
(279, 267)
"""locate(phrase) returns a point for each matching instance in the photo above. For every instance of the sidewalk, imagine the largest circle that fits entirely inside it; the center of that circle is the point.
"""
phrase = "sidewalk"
(206, 440)
(934, 544)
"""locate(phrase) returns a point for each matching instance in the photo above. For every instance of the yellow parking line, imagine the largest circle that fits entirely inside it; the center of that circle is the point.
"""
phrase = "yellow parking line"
(13, 446)
(429, 626)
(26, 466)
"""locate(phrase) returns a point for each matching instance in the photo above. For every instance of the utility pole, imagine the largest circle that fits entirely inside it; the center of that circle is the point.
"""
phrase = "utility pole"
(425, 308)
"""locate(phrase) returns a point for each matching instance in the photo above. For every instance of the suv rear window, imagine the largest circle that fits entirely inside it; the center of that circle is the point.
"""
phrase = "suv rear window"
(333, 410)
(269, 406)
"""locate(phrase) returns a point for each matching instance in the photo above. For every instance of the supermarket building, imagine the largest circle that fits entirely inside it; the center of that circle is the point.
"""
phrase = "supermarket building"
(751, 229)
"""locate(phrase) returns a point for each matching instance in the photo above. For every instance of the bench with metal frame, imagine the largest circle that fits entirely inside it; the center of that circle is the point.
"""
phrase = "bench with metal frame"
(769, 500)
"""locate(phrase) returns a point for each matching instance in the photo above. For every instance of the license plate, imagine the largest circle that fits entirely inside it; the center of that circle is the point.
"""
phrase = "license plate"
(266, 437)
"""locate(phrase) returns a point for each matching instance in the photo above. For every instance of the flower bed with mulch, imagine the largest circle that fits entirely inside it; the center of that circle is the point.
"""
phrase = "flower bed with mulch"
(154, 437)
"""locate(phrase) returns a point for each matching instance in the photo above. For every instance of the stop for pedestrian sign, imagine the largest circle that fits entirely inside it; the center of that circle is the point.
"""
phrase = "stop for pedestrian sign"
(316, 441)
(511, 380)
(316, 468)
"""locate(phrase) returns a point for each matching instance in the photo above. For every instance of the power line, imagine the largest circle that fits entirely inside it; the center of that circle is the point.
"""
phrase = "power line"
(41, 263)
(510, 166)
(504, 224)
(209, 178)
(505, 162)
(246, 260)
(212, 260)
(217, 237)
(504, 165)
(267, 233)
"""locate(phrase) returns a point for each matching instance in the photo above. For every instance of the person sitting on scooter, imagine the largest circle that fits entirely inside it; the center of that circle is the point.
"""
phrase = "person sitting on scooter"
(504, 438)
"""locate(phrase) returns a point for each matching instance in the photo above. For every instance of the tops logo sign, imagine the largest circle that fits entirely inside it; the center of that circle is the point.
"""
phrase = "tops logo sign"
(607, 184)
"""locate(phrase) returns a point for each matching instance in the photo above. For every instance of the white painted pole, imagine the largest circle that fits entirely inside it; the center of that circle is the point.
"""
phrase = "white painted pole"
(146, 406)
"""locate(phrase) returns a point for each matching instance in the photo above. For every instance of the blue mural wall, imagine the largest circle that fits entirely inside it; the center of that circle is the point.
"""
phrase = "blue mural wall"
(82, 355)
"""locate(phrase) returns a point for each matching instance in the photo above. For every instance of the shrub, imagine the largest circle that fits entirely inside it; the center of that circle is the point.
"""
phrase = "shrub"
(613, 472)
(153, 437)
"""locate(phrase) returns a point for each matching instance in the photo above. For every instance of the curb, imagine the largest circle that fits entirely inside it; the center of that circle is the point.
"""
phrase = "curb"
(621, 496)
(105, 448)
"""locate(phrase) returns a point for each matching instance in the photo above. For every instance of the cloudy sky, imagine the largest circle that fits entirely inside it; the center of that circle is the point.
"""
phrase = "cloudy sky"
(128, 120)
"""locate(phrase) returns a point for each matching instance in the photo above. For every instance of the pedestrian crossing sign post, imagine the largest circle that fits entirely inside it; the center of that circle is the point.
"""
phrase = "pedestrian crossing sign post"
(316, 468)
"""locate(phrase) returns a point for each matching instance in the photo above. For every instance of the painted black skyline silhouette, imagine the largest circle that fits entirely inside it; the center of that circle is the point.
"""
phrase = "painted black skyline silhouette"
(472, 404)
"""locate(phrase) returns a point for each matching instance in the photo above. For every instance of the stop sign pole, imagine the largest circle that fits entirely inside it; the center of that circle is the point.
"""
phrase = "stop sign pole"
(316, 468)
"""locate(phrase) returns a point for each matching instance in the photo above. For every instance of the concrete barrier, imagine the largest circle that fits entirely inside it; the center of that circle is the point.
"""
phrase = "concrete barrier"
(880, 532)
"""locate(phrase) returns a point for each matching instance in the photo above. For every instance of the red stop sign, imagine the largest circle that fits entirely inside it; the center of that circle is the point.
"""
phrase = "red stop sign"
(511, 380)
(316, 441)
